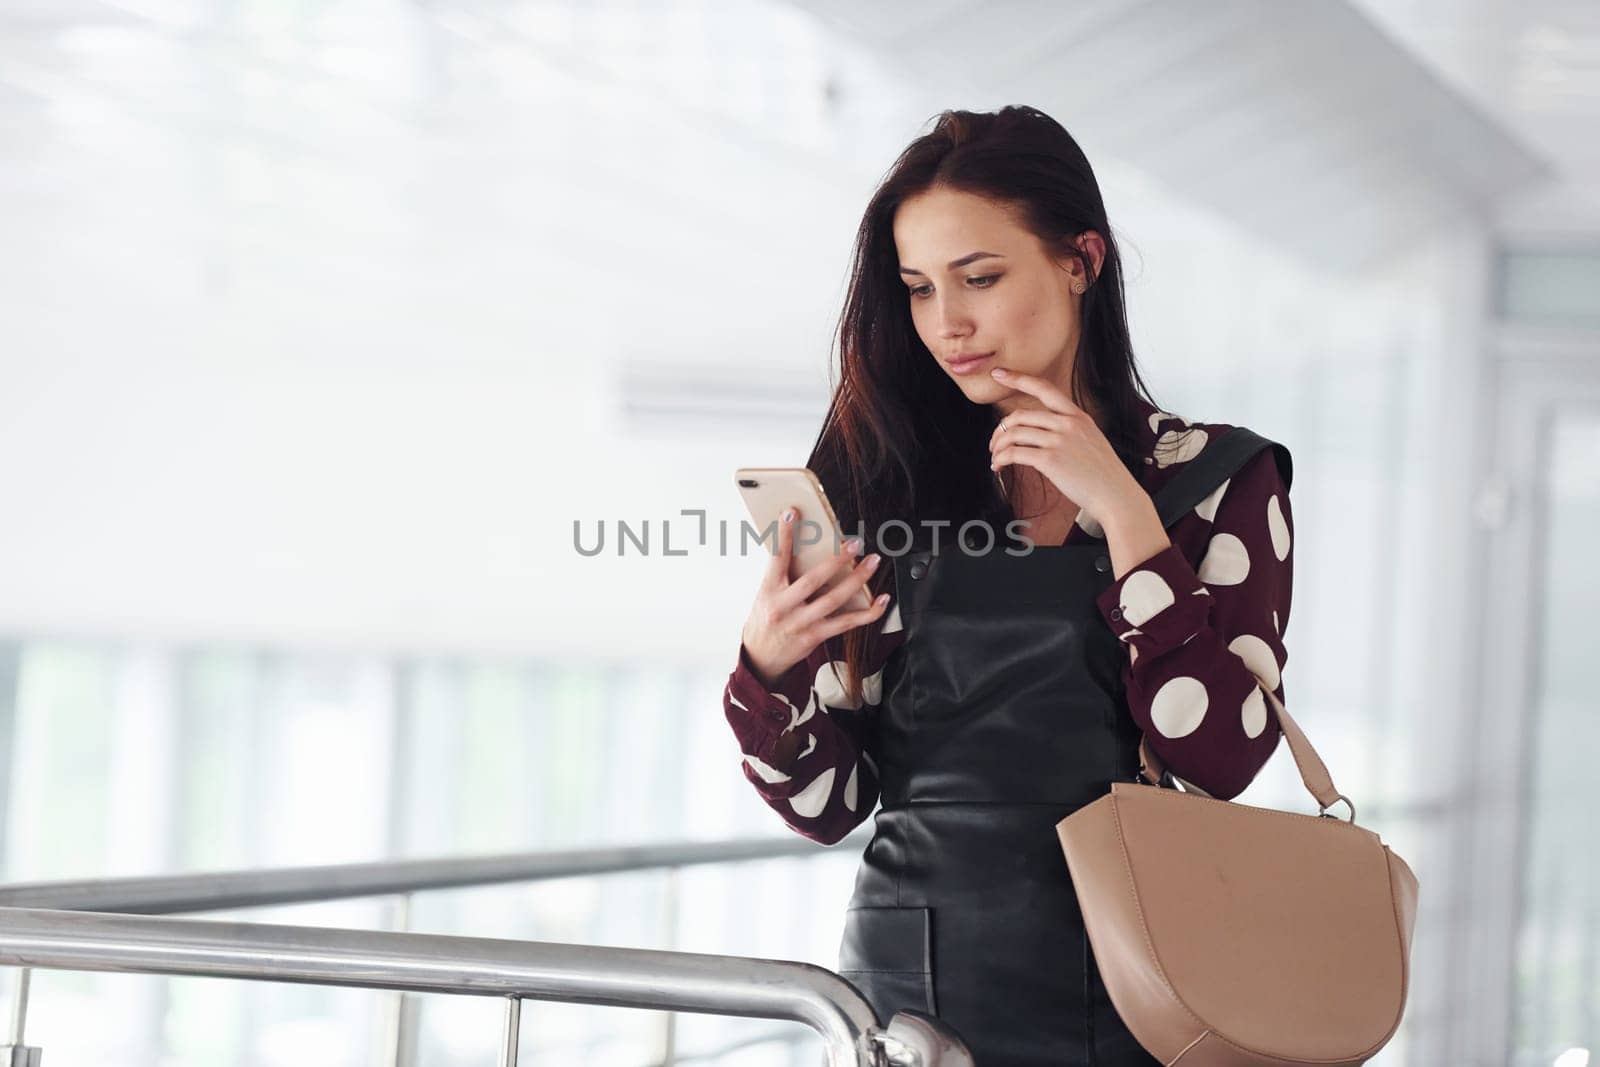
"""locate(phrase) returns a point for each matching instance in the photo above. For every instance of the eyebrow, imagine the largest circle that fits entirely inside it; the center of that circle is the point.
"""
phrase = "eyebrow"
(954, 263)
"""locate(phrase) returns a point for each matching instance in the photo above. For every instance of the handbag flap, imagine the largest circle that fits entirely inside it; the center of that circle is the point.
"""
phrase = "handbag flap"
(1282, 932)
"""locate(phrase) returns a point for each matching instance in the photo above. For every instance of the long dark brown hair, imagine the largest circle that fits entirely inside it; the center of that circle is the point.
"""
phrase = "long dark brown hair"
(901, 440)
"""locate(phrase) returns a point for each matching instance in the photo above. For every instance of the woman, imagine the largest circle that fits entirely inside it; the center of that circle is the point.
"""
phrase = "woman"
(988, 376)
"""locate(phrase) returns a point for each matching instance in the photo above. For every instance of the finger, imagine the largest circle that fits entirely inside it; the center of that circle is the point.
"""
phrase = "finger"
(1030, 416)
(1027, 435)
(835, 598)
(1045, 390)
(1027, 455)
(794, 597)
(777, 575)
(797, 600)
(849, 620)
(1042, 417)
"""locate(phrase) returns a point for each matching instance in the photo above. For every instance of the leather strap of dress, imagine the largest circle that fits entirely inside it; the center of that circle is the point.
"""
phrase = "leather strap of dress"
(1216, 463)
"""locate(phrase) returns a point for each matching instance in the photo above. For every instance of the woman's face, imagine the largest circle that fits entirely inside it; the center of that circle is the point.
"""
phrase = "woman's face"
(978, 282)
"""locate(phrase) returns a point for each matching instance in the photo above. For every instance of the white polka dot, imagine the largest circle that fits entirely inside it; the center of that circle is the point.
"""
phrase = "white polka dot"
(1207, 508)
(1227, 562)
(1258, 656)
(1143, 594)
(1129, 635)
(1278, 629)
(809, 802)
(1253, 716)
(1179, 706)
(1090, 524)
(828, 688)
(1133, 653)
(1179, 446)
(1157, 417)
(892, 625)
(811, 746)
(1278, 528)
(767, 773)
(850, 787)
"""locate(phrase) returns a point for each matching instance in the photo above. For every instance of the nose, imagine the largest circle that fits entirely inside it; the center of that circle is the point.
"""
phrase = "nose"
(953, 320)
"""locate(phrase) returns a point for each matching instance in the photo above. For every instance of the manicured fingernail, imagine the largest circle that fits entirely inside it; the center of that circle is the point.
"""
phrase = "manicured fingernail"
(852, 546)
(883, 598)
(872, 560)
(788, 516)
(999, 372)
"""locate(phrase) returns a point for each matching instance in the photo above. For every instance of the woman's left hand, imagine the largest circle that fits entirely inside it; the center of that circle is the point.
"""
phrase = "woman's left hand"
(1062, 443)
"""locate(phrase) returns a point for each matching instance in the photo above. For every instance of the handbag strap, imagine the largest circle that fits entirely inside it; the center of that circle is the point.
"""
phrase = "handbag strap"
(1313, 772)
(1217, 461)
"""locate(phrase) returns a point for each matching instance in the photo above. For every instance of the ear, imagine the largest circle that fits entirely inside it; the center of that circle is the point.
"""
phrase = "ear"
(1094, 246)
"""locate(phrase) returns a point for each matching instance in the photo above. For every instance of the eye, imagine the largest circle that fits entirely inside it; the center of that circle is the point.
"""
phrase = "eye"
(990, 279)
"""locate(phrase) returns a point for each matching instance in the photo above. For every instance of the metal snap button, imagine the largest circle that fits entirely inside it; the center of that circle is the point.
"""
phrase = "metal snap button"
(1116, 614)
(1102, 564)
(919, 568)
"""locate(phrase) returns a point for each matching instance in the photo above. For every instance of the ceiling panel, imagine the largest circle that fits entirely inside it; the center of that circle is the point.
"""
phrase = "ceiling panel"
(1302, 120)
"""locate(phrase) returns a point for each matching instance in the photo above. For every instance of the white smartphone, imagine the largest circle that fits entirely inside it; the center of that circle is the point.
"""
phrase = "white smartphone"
(768, 491)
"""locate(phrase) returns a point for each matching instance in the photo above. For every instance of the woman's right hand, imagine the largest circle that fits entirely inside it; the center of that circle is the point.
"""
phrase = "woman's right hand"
(783, 627)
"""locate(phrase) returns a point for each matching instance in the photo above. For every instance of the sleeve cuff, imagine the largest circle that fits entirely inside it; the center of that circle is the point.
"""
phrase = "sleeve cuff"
(778, 709)
(1157, 605)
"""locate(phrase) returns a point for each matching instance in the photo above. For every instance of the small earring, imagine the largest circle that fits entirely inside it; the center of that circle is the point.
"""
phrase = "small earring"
(1078, 287)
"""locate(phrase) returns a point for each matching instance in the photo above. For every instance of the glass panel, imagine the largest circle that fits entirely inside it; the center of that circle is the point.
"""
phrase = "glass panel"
(1556, 287)
(1558, 945)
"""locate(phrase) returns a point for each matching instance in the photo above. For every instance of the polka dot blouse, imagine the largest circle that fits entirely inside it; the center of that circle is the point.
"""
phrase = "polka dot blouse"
(1202, 621)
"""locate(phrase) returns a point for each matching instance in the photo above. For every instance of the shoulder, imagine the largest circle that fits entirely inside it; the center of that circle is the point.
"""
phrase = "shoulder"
(1246, 514)
(1171, 441)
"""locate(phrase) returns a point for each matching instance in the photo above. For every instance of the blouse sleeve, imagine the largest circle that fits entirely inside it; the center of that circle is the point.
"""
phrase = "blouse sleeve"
(807, 748)
(1203, 643)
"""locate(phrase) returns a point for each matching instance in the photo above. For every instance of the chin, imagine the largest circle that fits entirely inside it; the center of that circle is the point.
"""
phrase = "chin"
(984, 391)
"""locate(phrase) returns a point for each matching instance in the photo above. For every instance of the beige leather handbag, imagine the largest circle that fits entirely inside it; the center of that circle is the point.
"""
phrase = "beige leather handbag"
(1236, 936)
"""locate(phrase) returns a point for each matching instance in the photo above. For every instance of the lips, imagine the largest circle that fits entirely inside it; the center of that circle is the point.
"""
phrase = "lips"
(968, 364)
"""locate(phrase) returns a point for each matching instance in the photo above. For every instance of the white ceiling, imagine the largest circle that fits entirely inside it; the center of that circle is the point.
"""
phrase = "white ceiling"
(1307, 122)
(1535, 66)
(1333, 129)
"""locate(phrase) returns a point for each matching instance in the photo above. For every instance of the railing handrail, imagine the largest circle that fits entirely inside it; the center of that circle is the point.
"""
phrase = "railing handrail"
(437, 963)
(223, 890)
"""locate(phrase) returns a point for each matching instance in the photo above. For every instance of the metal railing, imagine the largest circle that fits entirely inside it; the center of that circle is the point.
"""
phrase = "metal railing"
(69, 925)
(227, 890)
(437, 963)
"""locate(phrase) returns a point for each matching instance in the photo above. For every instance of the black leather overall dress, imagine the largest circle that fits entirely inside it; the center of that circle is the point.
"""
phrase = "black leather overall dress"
(1002, 713)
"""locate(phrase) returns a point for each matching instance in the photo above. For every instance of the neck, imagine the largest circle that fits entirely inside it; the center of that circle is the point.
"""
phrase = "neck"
(1031, 493)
